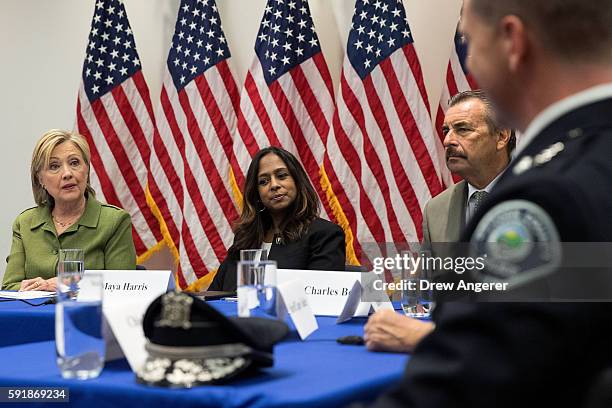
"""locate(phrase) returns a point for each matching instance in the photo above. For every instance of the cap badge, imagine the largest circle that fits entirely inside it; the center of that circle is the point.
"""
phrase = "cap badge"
(176, 310)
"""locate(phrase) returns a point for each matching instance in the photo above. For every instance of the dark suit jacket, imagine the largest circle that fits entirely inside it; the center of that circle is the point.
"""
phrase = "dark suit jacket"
(322, 247)
(523, 354)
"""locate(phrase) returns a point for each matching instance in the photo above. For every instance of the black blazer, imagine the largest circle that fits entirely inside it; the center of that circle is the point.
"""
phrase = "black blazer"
(322, 247)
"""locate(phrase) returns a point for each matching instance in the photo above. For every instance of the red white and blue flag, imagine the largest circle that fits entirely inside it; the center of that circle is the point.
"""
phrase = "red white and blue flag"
(114, 113)
(458, 79)
(384, 160)
(190, 162)
(287, 99)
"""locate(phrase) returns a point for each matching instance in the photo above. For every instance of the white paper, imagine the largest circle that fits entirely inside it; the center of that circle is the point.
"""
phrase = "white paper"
(352, 302)
(378, 298)
(364, 289)
(125, 320)
(247, 300)
(326, 291)
(296, 303)
(127, 295)
(30, 294)
(122, 285)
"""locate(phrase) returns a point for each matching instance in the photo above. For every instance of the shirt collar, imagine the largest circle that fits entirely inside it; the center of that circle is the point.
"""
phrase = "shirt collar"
(90, 216)
(472, 189)
(560, 108)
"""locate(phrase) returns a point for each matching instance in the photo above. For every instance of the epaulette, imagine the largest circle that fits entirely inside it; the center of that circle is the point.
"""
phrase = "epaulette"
(549, 153)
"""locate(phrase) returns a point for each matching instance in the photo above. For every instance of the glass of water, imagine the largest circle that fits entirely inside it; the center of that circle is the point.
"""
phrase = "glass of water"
(416, 295)
(78, 322)
(257, 294)
(71, 255)
(255, 255)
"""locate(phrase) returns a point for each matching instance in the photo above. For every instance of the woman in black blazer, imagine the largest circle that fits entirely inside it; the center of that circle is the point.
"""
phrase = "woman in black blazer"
(281, 207)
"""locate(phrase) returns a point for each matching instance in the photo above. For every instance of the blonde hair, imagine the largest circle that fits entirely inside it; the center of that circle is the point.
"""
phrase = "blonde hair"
(42, 155)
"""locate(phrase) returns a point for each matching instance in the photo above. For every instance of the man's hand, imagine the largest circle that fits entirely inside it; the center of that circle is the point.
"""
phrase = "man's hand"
(388, 330)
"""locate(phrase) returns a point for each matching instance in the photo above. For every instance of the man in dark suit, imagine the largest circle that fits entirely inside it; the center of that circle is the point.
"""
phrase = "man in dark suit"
(478, 150)
(547, 65)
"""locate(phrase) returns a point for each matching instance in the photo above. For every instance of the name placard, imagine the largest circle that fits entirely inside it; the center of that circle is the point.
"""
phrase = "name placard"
(127, 295)
(327, 291)
(296, 304)
(125, 285)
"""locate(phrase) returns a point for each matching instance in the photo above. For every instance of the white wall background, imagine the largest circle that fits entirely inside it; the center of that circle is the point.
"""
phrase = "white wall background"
(42, 46)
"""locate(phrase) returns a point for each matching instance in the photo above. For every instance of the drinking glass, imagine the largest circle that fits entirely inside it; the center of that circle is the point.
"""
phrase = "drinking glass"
(416, 295)
(78, 322)
(257, 294)
(71, 255)
(255, 255)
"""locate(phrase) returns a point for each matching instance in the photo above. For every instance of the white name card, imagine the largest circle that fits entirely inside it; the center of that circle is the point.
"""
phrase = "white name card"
(127, 295)
(327, 291)
(296, 304)
(126, 338)
(376, 299)
(123, 285)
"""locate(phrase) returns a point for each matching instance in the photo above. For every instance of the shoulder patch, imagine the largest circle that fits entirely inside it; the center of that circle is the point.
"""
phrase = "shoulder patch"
(519, 242)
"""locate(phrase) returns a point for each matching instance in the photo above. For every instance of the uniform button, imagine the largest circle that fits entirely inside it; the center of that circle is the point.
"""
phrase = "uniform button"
(574, 133)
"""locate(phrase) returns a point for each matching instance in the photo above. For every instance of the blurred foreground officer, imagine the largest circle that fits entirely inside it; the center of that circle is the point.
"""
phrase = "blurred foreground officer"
(478, 150)
(67, 216)
(280, 211)
(547, 65)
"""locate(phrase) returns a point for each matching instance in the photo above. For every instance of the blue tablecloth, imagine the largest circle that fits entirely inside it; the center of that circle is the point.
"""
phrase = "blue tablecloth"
(317, 372)
(22, 323)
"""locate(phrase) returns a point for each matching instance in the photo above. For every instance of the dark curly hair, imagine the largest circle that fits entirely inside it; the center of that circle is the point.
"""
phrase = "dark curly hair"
(254, 221)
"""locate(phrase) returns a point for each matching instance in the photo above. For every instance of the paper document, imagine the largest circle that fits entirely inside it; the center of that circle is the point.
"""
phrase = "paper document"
(31, 294)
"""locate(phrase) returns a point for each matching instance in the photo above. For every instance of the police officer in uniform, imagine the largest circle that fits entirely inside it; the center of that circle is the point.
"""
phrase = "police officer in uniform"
(547, 65)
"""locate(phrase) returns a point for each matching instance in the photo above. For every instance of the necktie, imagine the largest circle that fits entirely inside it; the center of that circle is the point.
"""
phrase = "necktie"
(477, 198)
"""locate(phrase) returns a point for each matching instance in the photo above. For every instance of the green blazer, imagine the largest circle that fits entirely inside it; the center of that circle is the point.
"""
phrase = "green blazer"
(104, 232)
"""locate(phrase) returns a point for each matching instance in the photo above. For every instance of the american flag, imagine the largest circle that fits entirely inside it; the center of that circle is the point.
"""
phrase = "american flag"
(191, 154)
(287, 99)
(458, 79)
(115, 114)
(384, 160)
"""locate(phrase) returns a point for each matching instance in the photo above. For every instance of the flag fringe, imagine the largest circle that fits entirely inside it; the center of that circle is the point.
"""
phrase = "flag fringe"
(202, 283)
(235, 189)
(164, 230)
(146, 255)
(341, 219)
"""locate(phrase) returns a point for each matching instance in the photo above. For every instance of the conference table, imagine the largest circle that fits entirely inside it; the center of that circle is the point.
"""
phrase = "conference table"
(317, 372)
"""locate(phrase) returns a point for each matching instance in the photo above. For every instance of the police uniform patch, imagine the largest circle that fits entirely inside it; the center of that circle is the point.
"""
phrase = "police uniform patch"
(519, 243)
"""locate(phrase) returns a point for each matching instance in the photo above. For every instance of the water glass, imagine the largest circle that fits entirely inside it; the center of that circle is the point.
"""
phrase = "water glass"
(78, 322)
(416, 294)
(71, 255)
(253, 255)
(257, 294)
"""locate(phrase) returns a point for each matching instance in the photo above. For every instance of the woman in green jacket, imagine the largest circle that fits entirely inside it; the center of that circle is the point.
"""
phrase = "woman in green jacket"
(67, 215)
